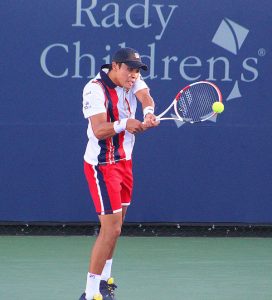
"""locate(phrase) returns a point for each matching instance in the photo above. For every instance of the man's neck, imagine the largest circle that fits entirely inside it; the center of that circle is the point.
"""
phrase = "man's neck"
(113, 78)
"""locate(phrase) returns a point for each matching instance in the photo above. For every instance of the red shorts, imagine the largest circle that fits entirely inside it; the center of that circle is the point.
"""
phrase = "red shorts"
(110, 185)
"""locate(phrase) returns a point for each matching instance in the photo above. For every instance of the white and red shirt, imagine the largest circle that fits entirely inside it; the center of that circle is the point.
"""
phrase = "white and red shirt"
(101, 95)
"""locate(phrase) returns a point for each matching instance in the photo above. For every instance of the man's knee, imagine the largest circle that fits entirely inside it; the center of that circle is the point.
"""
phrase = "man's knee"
(111, 231)
(116, 231)
(110, 236)
(111, 226)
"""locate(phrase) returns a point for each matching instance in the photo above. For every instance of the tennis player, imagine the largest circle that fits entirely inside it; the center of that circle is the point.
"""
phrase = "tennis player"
(109, 104)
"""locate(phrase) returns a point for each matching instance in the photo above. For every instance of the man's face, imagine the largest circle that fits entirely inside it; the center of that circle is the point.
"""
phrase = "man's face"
(125, 76)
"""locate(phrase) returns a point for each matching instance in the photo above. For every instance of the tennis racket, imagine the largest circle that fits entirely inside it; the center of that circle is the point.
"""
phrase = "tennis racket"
(193, 103)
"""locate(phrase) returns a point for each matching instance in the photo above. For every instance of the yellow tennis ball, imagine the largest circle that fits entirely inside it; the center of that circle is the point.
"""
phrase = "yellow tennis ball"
(111, 280)
(218, 107)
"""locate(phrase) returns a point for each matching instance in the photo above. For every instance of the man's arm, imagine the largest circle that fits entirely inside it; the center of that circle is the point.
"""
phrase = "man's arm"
(103, 129)
(148, 106)
(145, 98)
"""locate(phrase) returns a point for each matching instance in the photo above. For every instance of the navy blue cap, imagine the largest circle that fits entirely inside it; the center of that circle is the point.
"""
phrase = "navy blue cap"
(130, 57)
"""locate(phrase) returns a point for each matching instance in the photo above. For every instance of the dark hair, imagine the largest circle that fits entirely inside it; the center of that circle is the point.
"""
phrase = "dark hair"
(118, 63)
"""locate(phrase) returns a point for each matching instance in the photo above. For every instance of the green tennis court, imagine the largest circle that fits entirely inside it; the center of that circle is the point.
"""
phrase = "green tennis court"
(155, 268)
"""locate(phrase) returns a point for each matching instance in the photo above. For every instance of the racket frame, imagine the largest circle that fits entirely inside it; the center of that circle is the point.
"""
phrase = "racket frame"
(175, 101)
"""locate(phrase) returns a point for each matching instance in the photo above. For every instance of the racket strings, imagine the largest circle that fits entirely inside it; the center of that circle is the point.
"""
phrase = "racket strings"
(209, 97)
(195, 103)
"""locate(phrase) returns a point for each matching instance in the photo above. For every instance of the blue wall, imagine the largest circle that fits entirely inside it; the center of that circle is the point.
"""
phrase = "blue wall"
(219, 171)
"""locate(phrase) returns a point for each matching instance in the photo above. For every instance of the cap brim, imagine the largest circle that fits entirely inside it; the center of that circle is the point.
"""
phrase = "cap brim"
(136, 65)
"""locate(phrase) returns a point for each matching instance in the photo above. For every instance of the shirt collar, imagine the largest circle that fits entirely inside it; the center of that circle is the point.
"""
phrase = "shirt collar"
(104, 76)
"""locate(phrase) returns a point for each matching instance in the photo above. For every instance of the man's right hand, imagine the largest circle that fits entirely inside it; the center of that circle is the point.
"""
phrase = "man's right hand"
(134, 126)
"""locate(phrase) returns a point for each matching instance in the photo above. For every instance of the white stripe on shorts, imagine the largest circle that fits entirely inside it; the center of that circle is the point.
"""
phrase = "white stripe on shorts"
(99, 191)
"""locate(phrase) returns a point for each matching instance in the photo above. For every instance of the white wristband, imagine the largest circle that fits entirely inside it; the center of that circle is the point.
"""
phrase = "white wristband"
(148, 110)
(120, 125)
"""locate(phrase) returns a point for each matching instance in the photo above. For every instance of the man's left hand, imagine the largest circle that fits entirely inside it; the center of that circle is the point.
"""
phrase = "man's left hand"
(150, 121)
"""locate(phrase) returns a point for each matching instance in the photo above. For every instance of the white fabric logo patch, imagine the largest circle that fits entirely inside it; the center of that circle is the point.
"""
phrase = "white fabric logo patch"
(87, 105)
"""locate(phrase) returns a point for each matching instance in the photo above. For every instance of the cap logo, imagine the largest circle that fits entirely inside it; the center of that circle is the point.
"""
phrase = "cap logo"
(137, 55)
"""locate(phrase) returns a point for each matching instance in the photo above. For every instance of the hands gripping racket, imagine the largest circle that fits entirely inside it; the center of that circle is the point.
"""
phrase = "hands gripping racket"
(194, 103)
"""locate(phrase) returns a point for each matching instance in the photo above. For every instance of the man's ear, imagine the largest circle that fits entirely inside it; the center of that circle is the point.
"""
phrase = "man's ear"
(114, 66)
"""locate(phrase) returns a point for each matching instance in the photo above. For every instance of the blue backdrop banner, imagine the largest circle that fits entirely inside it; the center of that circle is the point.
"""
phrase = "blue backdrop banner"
(218, 171)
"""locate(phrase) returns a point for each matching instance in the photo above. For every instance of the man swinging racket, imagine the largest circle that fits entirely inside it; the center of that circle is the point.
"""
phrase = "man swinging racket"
(109, 104)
